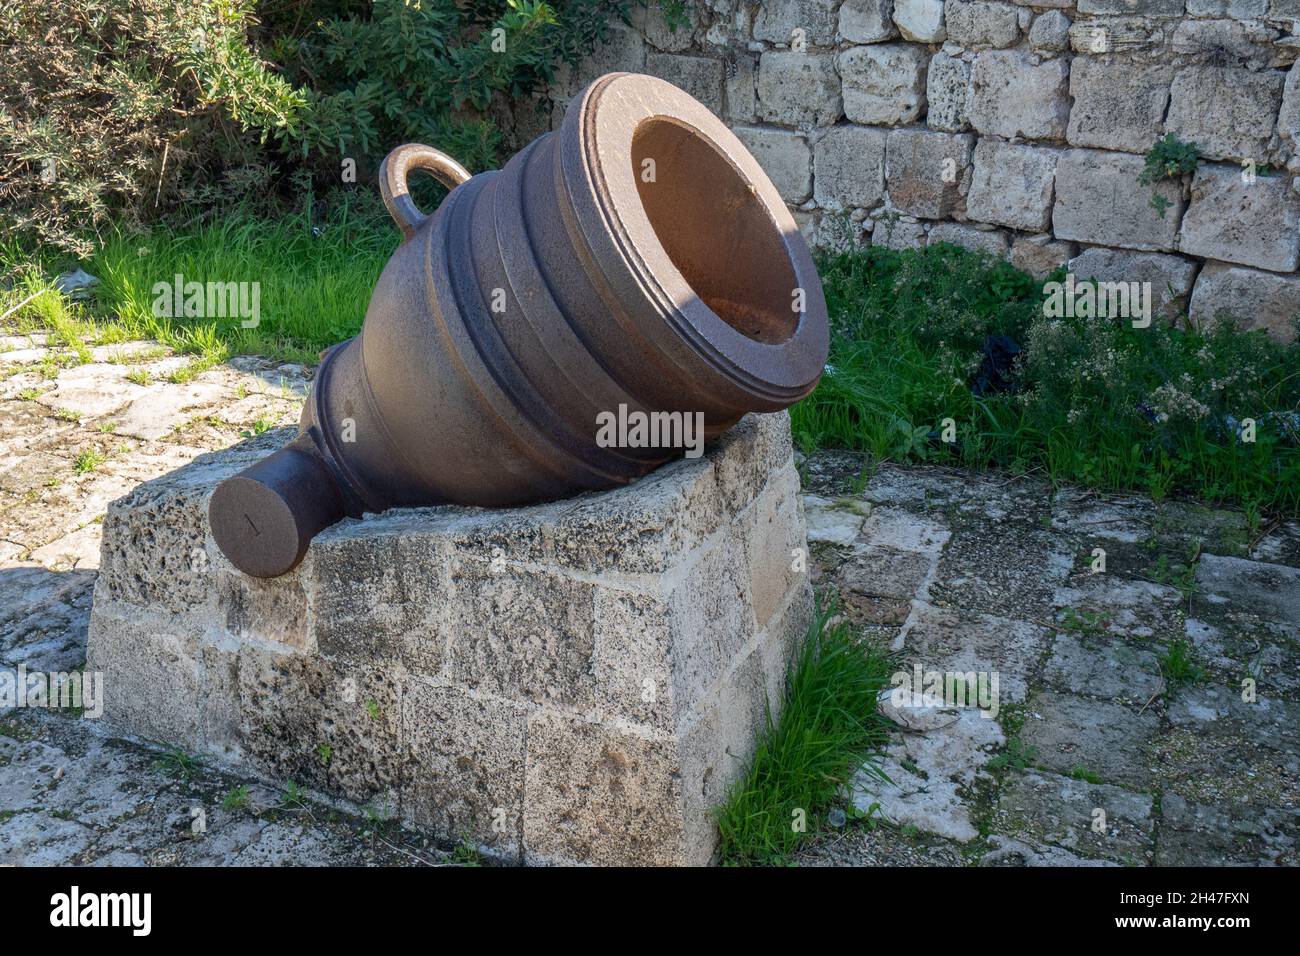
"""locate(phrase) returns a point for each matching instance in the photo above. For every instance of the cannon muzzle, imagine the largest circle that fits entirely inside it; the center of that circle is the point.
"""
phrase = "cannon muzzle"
(636, 262)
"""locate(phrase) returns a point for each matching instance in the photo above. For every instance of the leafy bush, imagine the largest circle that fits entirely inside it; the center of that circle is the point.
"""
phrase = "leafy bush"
(122, 109)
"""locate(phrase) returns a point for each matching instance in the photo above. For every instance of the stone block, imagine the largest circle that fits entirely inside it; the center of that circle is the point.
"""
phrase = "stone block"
(1241, 9)
(920, 21)
(947, 93)
(777, 21)
(784, 156)
(1139, 38)
(926, 170)
(664, 37)
(992, 241)
(466, 764)
(1232, 41)
(1254, 299)
(798, 89)
(1117, 105)
(1099, 201)
(867, 21)
(981, 26)
(569, 682)
(1170, 276)
(1229, 113)
(699, 76)
(1012, 96)
(1288, 117)
(1050, 32)
(1253, 223)
(884, 84)
(894, 232)
(849, 168)
(1040, 255)
(1012, 185)
(741, 90)
(1146, 8)
(622, 49)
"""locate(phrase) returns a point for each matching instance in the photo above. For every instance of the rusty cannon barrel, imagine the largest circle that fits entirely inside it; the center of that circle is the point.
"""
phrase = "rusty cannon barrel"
(637, 260)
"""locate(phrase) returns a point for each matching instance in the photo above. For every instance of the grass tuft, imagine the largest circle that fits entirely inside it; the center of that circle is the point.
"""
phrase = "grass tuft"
(828, 730)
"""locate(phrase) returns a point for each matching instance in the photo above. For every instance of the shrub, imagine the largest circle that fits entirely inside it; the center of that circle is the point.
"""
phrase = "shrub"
(123, 109)
(113, 107)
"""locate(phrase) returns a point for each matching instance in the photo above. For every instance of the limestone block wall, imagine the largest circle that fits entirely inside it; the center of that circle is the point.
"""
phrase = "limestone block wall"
(1014, 127)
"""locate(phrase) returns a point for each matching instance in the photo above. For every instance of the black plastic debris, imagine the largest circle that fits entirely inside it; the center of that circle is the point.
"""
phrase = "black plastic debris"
(996, 374)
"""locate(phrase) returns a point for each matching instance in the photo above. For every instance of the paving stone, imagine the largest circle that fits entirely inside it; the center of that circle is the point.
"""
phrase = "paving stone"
(1194, 834)
(1009, 852)
(1125, 607)
(1052, 809)
(1110, 740)
(1002, 567)
(929, 772)
(964, 641)
(833, 522)
(1234, 647)
(1102, 667)
(1270, 590)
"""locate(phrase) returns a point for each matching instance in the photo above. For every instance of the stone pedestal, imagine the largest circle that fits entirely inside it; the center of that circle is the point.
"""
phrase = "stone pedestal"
(571, 682)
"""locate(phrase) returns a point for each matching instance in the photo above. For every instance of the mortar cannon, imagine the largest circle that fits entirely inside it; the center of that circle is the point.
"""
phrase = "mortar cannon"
(636, 260)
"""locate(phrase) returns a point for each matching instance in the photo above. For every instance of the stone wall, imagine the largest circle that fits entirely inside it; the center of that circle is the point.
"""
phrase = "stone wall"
(1013, 127)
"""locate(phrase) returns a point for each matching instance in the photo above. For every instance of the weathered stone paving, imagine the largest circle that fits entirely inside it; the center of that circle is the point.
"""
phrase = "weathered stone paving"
(1105, 750)
(1097, 713)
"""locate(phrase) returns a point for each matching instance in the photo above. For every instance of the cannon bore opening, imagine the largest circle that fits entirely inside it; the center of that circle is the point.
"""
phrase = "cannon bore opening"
(716, 230)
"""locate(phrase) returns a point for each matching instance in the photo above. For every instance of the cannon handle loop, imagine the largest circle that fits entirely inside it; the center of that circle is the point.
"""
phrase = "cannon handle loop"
(395, 170)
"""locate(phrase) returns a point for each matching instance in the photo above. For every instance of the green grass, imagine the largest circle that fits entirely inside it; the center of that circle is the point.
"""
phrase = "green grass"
(315, 283)
(179, 764)
(828, 730)
(89, 460)
(1097, 402)
(1179, 666)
